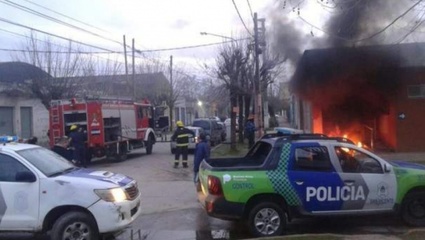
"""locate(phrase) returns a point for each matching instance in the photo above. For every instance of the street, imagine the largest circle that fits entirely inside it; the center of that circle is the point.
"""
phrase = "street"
(170, 209)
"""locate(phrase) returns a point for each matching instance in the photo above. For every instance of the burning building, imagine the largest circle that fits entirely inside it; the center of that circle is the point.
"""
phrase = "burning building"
(373, 95)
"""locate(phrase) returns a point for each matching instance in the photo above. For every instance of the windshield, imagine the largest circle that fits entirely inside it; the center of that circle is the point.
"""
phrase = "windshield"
(45, 160)
(203, 124)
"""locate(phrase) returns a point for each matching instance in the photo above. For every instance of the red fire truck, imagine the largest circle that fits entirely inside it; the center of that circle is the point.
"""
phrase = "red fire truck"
(114, 127)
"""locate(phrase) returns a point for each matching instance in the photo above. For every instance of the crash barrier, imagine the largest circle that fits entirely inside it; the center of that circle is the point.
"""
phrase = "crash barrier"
(163, 134)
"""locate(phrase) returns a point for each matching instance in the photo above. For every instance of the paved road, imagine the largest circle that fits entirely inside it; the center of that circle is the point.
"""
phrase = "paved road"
(170, 209)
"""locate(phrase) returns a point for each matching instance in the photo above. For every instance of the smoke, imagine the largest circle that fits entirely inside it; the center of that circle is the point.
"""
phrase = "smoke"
(355, 22)
(286, 39)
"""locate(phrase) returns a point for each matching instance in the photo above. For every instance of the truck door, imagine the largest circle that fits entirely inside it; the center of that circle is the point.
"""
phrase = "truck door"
(314, 178)
(359, 170)
(19, 196)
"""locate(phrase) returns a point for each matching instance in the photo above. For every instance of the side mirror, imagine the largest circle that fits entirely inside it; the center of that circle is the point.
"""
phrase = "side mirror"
(387, 168)
(25, 176)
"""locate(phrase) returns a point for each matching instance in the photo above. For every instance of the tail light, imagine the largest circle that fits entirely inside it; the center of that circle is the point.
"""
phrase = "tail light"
(214, 186)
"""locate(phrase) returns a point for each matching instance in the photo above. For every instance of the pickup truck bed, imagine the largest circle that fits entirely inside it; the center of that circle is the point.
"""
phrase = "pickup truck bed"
(282, 178)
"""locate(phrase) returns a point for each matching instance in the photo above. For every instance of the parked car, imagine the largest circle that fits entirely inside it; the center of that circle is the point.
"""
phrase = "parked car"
(192, 140)
(301, 175)
(211, 128)
(42, 192)
(222, 126)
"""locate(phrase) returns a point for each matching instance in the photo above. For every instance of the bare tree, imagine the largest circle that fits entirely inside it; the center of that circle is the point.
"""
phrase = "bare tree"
(230, 64)
(169, 91)
(62, 63)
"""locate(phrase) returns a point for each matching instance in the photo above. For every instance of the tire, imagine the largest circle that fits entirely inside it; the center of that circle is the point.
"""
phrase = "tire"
(149, 145)
(122, 154)
(75, 225)
(88, 155)
(267, 219)
(413, 209)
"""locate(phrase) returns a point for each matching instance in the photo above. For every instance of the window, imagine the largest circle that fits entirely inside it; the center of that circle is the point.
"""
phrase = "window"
(258, 154)
(140, 112)
(205, 124)
(416, 91)
(6, 121)
(45, 160)
(312, 159)
(353, 161)
(26, 122)
(9, 167)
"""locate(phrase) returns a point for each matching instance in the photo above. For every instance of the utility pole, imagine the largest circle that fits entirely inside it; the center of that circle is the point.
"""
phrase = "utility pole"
(263, 49)
(171, 93)
(257, 90)
(133, 73)
(125, 62)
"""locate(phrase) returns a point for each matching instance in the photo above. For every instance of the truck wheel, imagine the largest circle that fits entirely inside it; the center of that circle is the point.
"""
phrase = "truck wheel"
(122, 154)
(266, 219)
(88, 155)
(75, 225)
(413, 209)
(149, 145)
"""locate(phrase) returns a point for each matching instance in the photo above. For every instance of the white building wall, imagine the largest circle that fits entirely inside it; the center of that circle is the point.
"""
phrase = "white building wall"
(40, 115)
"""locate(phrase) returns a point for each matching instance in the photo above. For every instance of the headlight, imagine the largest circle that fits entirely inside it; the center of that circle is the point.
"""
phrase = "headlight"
(111, 195)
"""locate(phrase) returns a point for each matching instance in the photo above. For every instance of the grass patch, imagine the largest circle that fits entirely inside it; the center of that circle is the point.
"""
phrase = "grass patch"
(224, 150)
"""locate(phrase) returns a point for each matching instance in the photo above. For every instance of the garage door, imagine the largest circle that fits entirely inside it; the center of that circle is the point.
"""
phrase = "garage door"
(6, 121)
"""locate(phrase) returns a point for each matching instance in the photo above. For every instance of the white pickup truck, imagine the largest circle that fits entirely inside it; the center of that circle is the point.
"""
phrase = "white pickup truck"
(41, 192)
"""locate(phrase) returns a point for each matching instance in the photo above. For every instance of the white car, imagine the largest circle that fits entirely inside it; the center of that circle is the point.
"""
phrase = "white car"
(192, 140)
(41, 192)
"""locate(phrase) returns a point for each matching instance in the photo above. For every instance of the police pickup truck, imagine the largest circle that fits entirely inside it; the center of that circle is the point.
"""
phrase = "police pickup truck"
(282, 178)
(42, 192)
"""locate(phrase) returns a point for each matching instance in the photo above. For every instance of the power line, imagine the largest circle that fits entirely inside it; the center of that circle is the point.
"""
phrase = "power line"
(366, 38)
(188, 47)
(59, 52)
(63, 15)
(54, 35)
(250, 9)
(39, 14)
(240, 17)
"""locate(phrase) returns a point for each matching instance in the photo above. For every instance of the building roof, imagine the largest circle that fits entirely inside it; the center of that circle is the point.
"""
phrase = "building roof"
(320, 65)
(18, 72)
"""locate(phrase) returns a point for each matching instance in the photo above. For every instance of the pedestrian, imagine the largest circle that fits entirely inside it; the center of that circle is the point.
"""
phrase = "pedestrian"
(250, 130)
(77, 139)
(202, 152)
(181, 137)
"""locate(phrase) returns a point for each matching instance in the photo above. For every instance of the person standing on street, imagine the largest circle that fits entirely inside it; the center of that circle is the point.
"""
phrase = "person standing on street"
(250, 130)
(202, 152)
(78, 140)
(181, 136)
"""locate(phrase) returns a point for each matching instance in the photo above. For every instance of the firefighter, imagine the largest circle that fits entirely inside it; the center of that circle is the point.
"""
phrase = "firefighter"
(181, 136)
(77, 139)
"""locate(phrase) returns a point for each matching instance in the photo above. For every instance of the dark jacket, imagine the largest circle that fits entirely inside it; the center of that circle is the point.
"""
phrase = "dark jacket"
(249, 127)
(78, 139)
(181, 136)
(202, 151)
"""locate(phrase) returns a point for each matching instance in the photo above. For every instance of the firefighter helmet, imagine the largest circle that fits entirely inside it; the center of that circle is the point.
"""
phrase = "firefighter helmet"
(73, 127)
(180, 124)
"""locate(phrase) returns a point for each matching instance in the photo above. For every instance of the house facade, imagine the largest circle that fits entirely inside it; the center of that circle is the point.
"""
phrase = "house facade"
(20, 113)
(374, 95)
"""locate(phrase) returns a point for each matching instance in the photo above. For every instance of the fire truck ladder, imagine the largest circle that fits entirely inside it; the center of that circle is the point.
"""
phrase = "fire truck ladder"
(55, 119)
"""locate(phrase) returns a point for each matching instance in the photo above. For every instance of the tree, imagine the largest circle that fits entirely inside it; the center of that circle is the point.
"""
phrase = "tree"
(62, 63)
(235, 68)
(230, 65)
